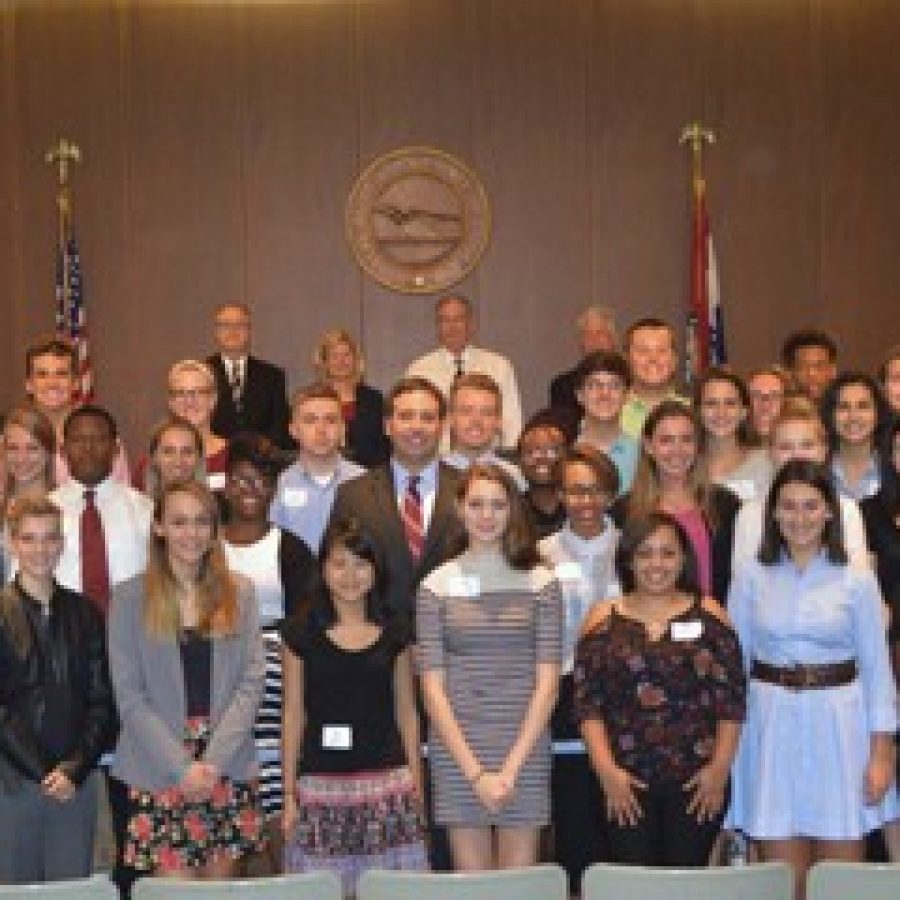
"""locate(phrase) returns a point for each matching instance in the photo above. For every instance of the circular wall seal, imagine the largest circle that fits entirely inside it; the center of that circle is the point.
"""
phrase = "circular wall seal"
(418, 220)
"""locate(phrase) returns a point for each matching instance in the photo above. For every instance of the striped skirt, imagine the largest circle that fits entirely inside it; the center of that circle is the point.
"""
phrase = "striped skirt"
(348, 824)
(267, 730)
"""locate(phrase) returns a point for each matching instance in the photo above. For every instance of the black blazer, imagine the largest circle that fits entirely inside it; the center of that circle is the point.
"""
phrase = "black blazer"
(367, 443)
(372, 500)
(263, 408)
(725, 506)
(564, 405)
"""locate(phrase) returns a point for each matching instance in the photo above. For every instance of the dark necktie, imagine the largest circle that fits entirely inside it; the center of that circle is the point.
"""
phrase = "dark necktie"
(94, 565)
(458, 364)
(413, 522)
(237, 383)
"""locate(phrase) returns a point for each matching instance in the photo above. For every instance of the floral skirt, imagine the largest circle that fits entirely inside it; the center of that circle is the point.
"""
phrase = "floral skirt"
(167, 832)
(348, 824)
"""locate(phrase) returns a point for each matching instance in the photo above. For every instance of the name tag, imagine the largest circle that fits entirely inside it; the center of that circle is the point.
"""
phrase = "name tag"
(294, 497)
(464, 586)
(337, 737)
(216, 481)
(569, 571)
(686, 631)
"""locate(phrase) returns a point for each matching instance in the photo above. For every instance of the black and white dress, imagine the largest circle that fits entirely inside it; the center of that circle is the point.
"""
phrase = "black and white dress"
(280, 566)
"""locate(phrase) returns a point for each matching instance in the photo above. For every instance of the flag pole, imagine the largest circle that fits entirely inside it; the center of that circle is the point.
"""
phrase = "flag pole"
(698, 352)
(63, 154)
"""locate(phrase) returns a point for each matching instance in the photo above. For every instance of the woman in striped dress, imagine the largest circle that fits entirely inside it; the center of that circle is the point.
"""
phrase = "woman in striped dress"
(489, 632)
(279, 565)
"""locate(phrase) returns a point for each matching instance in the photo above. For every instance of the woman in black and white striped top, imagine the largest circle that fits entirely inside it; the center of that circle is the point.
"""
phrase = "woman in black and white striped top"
(489, 634)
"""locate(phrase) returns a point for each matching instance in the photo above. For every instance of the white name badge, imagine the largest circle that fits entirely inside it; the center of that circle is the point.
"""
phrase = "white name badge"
(216, 481)
(337, 737)
(464, 586)
(569, 571)
(294, 497)
(686, 631)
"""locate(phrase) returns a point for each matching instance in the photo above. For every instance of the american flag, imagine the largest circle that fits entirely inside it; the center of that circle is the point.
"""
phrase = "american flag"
(71, 316)
(706, 323)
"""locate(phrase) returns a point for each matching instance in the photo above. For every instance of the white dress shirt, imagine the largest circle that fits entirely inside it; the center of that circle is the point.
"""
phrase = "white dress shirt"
(126, 515)
(439, 367)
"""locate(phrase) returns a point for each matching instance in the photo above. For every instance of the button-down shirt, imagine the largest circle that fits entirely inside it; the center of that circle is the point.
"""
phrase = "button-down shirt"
(303, 501)
(623, 453)
(439, 367)
(635, 411)
(126, 515)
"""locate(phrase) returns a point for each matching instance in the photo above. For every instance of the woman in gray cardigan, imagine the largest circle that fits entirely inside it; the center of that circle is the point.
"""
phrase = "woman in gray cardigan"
(187, 668)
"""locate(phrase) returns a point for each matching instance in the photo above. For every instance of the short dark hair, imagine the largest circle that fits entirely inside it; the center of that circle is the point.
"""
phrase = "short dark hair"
(543, 418)
(817, 476)
(831, 397)
(318, 390)
(90, 411)
(637, 530)
(50, 346)
(414, 384)
(599, 463)
(647, 322)
(807, 337)
(260, 452)
(465, 302)
(602, 361)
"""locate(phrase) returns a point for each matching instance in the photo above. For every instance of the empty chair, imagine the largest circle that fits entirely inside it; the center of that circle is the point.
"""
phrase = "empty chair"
(853, 881)
(767, 881)
(98, 887)
(534, 883)
(309, 886)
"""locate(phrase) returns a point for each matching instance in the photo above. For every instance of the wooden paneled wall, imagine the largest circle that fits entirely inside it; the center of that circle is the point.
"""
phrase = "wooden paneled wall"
(221, 140)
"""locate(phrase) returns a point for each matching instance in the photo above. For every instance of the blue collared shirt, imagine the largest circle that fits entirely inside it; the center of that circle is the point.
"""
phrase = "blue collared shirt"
(428, 479)
(303, 501)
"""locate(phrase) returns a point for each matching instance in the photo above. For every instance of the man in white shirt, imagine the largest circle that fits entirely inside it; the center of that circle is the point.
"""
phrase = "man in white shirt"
(455, 329)
(106, 528)
(475, 415)
(797, 433)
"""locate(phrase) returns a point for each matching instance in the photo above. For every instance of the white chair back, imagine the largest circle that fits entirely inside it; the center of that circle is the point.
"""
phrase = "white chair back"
(309, 886)
(766, 881)
(534, 883)
(853, 881)
(98, 887)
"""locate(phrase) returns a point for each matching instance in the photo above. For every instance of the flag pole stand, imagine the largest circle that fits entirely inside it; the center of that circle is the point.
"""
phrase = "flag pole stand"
(62, 155)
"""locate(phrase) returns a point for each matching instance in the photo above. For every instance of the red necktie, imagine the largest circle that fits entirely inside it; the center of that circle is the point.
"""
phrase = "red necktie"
(411, 513)
(94, 566)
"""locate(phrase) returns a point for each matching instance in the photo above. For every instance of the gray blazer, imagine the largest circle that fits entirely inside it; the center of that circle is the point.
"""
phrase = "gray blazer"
(148, 681)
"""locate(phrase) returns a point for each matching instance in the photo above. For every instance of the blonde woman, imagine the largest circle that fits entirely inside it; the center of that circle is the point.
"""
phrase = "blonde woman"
(339, 362)
(187, 667)
(176, 453)
(192, 396)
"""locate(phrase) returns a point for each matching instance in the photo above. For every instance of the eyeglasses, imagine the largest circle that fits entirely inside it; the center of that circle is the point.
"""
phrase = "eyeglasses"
(189, 393)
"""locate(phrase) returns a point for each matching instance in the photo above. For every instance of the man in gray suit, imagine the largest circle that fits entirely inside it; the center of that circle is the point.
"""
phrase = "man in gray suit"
(384, 499)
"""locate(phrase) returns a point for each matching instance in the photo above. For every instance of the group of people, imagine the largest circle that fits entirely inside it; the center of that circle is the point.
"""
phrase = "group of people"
(641, 617)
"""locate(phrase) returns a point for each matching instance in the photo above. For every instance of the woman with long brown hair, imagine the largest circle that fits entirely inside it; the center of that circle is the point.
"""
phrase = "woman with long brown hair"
(489, 627)
(187, 666)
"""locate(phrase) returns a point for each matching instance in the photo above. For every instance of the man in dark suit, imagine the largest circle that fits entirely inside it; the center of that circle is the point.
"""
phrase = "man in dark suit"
(384, 500)
(251, 393)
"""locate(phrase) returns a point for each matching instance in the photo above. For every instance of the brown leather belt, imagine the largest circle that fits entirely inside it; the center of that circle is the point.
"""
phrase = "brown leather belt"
(802, 678)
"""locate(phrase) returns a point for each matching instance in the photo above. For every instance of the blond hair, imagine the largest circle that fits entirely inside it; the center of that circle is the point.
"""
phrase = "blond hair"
(216, 586)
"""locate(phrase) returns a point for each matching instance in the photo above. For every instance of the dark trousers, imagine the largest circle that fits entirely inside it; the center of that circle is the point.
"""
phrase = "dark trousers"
(579, 817)
(665, 835)
(123, 877)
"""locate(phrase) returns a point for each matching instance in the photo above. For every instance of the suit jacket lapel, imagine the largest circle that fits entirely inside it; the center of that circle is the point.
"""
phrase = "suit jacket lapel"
(442, 517)
(384, 496)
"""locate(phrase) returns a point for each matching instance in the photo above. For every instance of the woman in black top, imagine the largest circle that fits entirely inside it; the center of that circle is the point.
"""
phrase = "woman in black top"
(55, 708)
(881, 515)
(349, 709)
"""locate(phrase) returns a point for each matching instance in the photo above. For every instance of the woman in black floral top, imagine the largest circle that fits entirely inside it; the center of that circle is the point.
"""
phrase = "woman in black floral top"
(660, 695)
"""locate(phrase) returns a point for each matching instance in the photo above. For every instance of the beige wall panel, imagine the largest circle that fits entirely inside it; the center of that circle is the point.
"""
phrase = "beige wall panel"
(418, 72)
(185, 231)
(643, 90)
(761, 73)
(300, 156)
(532, 147)
(860, 177)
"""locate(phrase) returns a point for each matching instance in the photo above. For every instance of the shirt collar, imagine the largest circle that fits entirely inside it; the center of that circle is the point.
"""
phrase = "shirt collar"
(427, 477)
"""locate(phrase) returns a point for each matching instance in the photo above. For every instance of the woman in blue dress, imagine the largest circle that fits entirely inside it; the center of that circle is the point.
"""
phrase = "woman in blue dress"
(815, 766)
